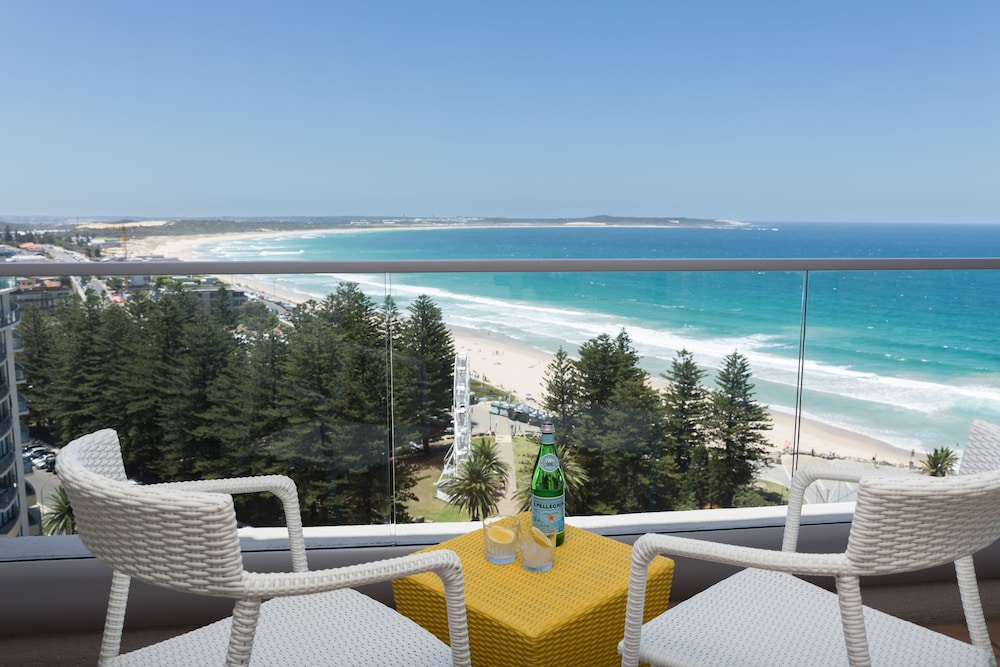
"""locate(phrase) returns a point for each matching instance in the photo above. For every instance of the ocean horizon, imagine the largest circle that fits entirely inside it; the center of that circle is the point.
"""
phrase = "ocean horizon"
(906, 357)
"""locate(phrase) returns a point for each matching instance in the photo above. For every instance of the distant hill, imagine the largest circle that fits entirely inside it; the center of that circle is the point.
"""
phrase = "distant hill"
(138, 227)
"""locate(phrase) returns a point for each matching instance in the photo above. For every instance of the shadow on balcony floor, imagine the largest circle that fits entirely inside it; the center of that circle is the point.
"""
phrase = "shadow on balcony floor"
(72, 649)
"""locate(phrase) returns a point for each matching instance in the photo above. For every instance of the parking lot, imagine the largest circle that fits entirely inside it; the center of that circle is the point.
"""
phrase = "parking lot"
(39, 469)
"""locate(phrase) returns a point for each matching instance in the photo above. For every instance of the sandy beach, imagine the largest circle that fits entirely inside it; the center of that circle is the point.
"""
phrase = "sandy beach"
(520, 369)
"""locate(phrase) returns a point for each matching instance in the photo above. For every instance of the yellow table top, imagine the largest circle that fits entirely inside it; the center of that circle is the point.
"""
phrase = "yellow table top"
(577, 606)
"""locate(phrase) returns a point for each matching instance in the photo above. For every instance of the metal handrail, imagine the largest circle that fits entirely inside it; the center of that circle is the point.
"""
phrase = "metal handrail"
(134, 268)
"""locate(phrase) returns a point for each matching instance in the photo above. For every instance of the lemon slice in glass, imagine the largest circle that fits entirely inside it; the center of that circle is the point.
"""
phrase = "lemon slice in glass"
(500, 535)
(540, 538)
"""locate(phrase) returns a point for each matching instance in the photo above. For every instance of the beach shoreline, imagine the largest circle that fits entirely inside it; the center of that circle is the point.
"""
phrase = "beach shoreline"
(519, 369)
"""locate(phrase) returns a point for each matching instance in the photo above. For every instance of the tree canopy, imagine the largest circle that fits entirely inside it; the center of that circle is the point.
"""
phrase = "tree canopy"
(195, 394)
(641, 449)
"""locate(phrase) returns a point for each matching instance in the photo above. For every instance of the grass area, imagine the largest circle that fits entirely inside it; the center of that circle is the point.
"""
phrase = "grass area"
(525, 451)
(432, 509)
(428, 505)
(774, 488)
(485, 392)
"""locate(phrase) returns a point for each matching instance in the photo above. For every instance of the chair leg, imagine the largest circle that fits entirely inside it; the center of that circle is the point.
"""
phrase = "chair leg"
(245, 615)
(853, 619)
(972, 605)
(114, 620)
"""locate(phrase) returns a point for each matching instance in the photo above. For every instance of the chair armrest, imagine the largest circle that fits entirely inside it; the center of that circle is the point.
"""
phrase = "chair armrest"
(281, 486)
(805, 476)
(442, 562)
(647, 547)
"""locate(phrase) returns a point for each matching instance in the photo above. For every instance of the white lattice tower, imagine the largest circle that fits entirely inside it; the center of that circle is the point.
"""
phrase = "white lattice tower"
(462, 422)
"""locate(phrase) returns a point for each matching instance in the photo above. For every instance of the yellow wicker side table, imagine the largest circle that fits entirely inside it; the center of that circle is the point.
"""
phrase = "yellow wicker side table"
(572, 615)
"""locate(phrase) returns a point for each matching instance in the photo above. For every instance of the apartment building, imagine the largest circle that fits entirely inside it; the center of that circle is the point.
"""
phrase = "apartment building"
(14, 494)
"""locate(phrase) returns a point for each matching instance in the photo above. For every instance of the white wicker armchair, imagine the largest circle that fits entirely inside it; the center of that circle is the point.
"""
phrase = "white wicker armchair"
(980, 454)
(183, 536)
(764, 615)
(982, 448)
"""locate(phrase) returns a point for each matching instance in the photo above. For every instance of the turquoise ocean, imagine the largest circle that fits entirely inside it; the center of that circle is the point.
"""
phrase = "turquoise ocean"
(906, 357)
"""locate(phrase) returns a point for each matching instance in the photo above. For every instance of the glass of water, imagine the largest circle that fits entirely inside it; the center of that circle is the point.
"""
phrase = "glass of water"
(500, 539)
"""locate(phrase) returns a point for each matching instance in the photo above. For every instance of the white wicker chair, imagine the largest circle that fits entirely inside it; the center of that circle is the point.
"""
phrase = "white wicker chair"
(183, 536)
(981, 454)
(982, 448)
(764, 615)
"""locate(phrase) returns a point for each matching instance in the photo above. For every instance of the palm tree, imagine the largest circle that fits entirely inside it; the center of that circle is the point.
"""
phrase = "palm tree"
(58, 518)
(575, 478)
(940, 462)
(480, 481)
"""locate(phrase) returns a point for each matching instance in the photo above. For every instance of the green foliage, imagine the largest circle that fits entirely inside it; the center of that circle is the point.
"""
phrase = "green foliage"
(58, 518)
(424, 362)
(194, 395)
(755, 497)
(336, 435)
(688, 447)
(940, 462)
(687, 407)
(562, 385)
(603, 364)
(199, 396)
(617, 430)
(38, 338)
(736, 427)
(480, 481)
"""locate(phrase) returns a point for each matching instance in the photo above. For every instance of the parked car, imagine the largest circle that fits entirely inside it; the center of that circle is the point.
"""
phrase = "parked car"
(44, 461)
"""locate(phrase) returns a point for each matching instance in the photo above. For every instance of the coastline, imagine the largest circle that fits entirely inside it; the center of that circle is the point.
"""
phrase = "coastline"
(519, 368)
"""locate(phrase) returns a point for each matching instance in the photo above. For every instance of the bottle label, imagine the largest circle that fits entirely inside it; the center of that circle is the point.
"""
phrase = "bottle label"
(549, 513)
(548, 463)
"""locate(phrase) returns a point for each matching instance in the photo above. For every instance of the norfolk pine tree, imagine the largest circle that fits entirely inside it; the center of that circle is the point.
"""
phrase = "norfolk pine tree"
(429, 352)
(38, 331)
(737, 426)
(616, 432)
(686, 402)
(561, 392)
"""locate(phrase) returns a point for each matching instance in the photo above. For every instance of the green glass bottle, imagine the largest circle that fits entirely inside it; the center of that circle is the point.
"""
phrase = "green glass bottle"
(548, 489)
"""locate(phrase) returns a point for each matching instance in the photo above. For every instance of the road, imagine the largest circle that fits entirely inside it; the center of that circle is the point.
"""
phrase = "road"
(45, 484)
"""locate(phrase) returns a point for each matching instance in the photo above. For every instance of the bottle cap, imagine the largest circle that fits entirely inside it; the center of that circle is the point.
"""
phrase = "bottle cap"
(547, 427)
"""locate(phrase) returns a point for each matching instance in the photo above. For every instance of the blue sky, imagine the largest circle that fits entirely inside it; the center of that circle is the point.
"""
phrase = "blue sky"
(761, 111)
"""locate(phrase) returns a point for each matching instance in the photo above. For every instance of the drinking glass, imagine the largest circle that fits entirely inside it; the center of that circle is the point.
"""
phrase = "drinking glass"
(538, 547)
(500, 538)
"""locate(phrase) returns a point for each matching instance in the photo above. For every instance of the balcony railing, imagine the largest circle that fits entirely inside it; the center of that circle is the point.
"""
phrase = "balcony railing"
(5, 424)
(11, 316)
(810, 374)
(791, 380)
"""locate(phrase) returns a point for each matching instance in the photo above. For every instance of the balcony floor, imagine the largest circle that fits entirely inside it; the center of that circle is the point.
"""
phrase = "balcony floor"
(79, 649)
